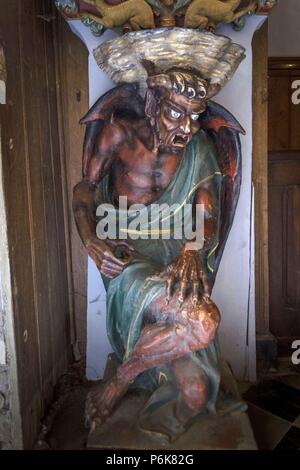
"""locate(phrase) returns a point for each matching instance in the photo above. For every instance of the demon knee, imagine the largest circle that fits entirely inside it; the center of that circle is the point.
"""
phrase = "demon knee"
(195, 392)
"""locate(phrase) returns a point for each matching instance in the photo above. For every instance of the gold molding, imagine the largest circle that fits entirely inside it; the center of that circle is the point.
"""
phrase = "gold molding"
(284, 63)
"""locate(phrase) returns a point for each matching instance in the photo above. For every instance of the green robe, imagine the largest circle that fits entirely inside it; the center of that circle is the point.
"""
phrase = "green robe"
(130, 294)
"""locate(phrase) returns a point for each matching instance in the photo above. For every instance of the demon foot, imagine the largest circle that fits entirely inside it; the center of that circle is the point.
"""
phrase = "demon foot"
(211, 27)
(101, 402)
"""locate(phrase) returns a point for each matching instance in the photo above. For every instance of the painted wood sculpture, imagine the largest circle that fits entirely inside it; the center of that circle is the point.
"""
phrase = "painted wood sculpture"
(157, 138)
(207, 13)
(163, 143)
(138, 15)
(134, 15)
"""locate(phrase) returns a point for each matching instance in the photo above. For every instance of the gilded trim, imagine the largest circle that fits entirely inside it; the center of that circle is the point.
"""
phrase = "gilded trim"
(209, 255)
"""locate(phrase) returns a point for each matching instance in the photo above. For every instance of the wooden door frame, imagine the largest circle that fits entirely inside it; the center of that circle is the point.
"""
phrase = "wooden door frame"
(266, 343)
(284, 67)
(38, 314)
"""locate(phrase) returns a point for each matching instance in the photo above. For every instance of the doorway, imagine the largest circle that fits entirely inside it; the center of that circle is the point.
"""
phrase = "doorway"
(45, 97)
(284, 201)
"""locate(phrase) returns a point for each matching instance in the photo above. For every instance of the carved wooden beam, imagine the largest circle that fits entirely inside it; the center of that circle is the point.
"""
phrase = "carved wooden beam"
(147, 14)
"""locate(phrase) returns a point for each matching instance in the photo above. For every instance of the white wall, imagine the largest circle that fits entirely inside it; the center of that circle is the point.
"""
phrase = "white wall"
(284, 29)
(10, 417)
(234, 288)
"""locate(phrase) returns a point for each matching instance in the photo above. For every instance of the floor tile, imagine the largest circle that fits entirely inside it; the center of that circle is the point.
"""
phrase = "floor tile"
(277, 398)
(297, 422)
(268, 429)
(291, 440)
(287, 392)
(292, 381)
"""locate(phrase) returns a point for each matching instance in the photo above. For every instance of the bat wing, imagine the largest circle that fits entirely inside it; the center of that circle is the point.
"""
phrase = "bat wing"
(219, 124)
(121, 101)
(224, 131)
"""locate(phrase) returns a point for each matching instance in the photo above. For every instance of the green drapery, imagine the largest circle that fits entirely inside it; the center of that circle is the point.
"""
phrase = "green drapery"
(130, 294)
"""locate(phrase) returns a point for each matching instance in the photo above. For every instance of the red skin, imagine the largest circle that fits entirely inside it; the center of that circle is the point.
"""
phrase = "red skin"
(142, 165)
(190, 328)
(142, 157)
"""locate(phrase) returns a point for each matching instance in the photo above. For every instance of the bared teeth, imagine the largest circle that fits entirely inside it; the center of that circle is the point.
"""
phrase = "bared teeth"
(180, 140)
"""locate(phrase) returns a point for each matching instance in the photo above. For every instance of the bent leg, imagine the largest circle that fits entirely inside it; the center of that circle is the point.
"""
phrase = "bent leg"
(158, 344)
(192, 381)
(235, 16)
(196, 21)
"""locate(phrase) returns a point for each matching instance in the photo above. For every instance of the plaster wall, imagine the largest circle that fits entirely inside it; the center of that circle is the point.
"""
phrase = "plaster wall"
(10, 421)
(234, 288)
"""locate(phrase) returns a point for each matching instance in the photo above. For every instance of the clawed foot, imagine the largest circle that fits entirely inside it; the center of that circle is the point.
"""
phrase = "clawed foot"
(211, 27)
(100, 403)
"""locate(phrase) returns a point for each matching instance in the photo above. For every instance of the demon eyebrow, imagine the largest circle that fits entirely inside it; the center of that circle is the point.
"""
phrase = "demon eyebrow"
(175, 107)
(181, 110)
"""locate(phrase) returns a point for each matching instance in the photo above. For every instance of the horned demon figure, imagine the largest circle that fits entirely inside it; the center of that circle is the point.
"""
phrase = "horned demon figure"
(162, 143)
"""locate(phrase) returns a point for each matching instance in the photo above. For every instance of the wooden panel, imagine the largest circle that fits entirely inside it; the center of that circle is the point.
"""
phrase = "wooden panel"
(279, 106)
(291, 246)
(55, 212)
(286, 166)
(284, 240)
(260, 176)
(284, 202)
(295, 118)
(18, 198)
(284, 115)
(34, 204)
(74, 86)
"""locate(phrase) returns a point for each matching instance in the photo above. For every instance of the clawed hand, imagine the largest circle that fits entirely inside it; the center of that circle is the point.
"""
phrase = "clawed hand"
(187, 271)
(110, 256)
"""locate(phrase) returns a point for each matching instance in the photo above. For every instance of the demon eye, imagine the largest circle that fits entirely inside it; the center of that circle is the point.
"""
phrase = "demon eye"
(202, 92)
(175, 114)
(195, 117)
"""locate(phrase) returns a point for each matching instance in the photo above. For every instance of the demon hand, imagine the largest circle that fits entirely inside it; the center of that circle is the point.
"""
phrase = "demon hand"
(110, 256)
(187, 272)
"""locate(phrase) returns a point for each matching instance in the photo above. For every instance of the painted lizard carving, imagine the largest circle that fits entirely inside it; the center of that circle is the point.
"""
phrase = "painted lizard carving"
(139, 14)
(205, 14)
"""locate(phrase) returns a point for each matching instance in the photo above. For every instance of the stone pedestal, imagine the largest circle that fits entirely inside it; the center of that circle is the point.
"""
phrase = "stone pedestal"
(228, 429)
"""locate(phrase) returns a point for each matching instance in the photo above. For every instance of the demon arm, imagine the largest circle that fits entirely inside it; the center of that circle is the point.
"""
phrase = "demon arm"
(84, 208)
(102, 139)
(187, 271)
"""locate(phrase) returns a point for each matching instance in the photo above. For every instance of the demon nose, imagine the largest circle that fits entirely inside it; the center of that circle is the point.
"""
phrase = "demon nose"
(186, 125)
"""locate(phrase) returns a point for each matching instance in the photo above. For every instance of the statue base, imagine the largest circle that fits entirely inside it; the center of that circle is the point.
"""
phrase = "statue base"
(226, 430)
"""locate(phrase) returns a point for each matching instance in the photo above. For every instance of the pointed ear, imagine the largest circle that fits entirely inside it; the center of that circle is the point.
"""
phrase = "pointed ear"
(149, 66)
(150, 104)
(212, 90)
